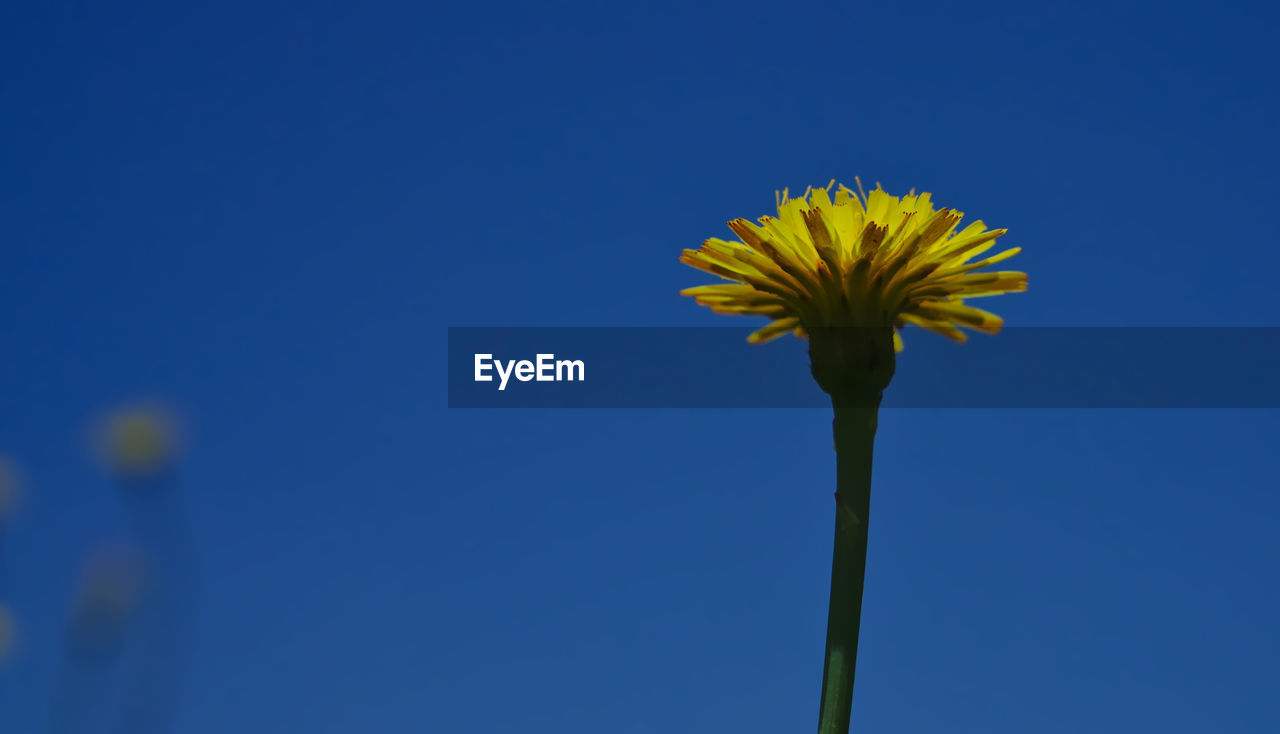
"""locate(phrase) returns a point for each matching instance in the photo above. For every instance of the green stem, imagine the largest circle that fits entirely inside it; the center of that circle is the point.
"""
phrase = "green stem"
(855, 432)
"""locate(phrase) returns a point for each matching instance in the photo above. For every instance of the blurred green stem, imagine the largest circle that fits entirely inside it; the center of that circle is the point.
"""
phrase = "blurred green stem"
(855, 432)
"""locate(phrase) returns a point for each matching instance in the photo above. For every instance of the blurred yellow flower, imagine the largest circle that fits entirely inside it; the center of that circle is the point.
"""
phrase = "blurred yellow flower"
(851, 260)
(8, 486)
(8, 492)
(107, 596)
(138, 441)
(7, 633)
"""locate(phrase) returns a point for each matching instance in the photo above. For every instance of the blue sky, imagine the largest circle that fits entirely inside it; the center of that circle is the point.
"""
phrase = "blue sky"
(268, 214)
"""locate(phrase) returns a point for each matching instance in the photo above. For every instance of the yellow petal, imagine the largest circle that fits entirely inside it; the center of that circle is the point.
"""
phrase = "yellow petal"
(974, 318)
(944, 328)
(773, 330)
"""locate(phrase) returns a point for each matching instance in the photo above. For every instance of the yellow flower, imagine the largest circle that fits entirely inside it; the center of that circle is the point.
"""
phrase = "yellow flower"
(138, 442)
(8, 632)
(853, 260)
(108, 597)
(8, 486)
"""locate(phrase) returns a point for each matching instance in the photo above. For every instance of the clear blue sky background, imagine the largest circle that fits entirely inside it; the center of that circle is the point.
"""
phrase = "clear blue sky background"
(268, 214)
